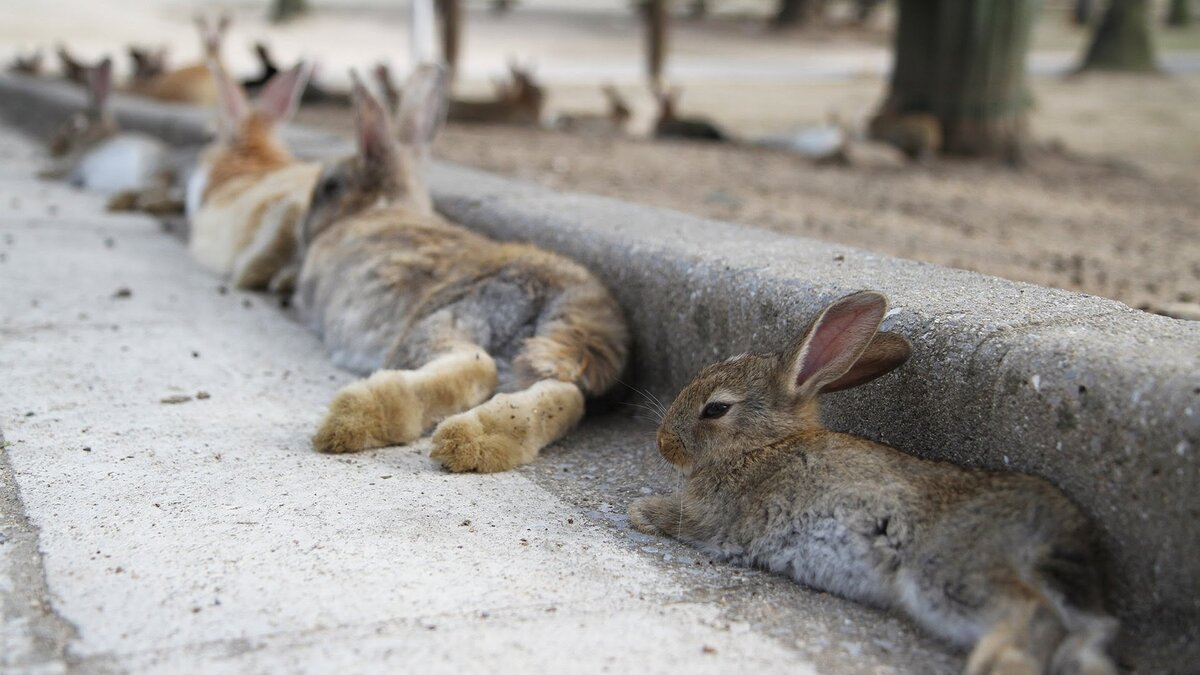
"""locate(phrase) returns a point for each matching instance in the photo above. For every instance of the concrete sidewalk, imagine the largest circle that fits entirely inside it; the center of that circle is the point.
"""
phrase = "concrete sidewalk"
(138, 535)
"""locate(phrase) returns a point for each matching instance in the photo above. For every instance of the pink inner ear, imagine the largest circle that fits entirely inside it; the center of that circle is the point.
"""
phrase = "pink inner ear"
(373, 134)
(232, 98)
(101, 83)
(834, 335)
(278, 99)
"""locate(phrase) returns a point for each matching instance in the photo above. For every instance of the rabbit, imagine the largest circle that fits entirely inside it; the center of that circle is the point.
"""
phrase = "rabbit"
(92, 152)
(27, 64)
(73, 69)
(248, 192)
(148, 63)
(191, 84)
(612, 122)
(439, 316)
(917, 135)
(519, 102)
(1002, 562)
(670, 125)
(313, 93)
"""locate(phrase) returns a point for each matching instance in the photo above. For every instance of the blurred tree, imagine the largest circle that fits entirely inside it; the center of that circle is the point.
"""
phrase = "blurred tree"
(961, 63)
(1180, 13)
(863, 9)
(698, 9)
(450, 15)
(502, 6)
(789, 13)
(1082, 13)
(285, 10)
(656, 16)
(1122, 39)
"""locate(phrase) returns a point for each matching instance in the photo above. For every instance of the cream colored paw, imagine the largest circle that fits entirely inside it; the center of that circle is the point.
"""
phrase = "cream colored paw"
(464, 443)
(354, 422)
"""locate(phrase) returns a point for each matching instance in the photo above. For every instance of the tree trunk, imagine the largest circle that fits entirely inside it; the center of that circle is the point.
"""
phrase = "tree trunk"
(655, 12)
(1122, 40)
(962, 63)
(284, 10)
(790, 13)
(864, 9)
(1179, 14)
(450, 13)
(1082, 13)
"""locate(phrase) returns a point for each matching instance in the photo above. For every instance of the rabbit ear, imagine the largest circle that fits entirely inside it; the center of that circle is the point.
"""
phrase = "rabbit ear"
(422, 106)
(886, 353)
(372, 129)
(281, 95)
(100, 84)
(232, 108)
(833, 344)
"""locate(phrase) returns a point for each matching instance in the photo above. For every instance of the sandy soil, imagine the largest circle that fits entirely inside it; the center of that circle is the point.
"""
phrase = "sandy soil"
(1076, 218)
(1117, 215)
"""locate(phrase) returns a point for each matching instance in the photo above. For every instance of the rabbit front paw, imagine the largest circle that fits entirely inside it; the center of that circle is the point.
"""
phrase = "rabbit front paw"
(652, 515)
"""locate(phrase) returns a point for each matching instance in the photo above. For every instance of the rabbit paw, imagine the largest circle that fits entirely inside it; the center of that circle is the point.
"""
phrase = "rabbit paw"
(354, 422)
(642, 513)
(464, 442)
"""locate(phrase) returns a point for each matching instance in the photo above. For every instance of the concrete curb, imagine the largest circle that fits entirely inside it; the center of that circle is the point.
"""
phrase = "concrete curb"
(1102, 400)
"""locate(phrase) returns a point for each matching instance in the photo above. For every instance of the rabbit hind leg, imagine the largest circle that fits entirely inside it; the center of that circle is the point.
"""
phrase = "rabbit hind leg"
(1023, 634)
(508, 430)
(396, 406)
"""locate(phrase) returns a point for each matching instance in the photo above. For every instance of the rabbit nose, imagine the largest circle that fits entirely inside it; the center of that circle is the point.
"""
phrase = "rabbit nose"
(670, 447)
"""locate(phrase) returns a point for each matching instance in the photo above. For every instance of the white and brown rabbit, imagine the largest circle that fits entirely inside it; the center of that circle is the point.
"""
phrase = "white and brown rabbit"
(1000, 562)
(91, 152)
(440, 317)
(248, 194)
(518, 102)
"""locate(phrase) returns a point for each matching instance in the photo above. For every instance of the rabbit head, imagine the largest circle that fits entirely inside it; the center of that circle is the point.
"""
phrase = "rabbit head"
(618, 108)
(213, 34)
(251, 127)
(387, 169)
(753, 400)
(147, 62)
(72, 68)
(667, 97)
(88, 127)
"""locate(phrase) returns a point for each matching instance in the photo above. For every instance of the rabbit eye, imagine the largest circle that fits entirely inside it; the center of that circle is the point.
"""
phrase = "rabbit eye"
(330, 187)
(714, 410)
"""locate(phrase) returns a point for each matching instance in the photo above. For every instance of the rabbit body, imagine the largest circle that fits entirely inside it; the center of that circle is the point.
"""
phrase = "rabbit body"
(1000, 562)
(126, 161)
(494, 344)
(391, 287)
(245, 228)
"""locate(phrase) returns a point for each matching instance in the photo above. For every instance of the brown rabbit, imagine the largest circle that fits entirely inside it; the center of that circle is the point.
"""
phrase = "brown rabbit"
(442, 317)
(612, 122)
(519, 102)
(248, 194)
(999, 562)
(191, 84)
(917, 135)
(670, 125)
(27, 64)
(72, 68)
(148, 63)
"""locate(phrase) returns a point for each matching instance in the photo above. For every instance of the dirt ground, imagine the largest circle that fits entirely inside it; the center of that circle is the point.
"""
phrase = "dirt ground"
(1109, 204)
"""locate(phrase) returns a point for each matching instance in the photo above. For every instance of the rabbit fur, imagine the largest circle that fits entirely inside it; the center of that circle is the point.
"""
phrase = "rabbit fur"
(998, 562)
(248, 194)
(443, 317)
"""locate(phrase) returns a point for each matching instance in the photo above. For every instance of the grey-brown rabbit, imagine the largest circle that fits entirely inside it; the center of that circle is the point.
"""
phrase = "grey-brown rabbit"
(441, 316)
(1000, 562)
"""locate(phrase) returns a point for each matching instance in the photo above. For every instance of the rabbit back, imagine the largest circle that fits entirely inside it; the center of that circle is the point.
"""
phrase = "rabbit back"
(233, 212)
(391, 288)
(865, 521)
